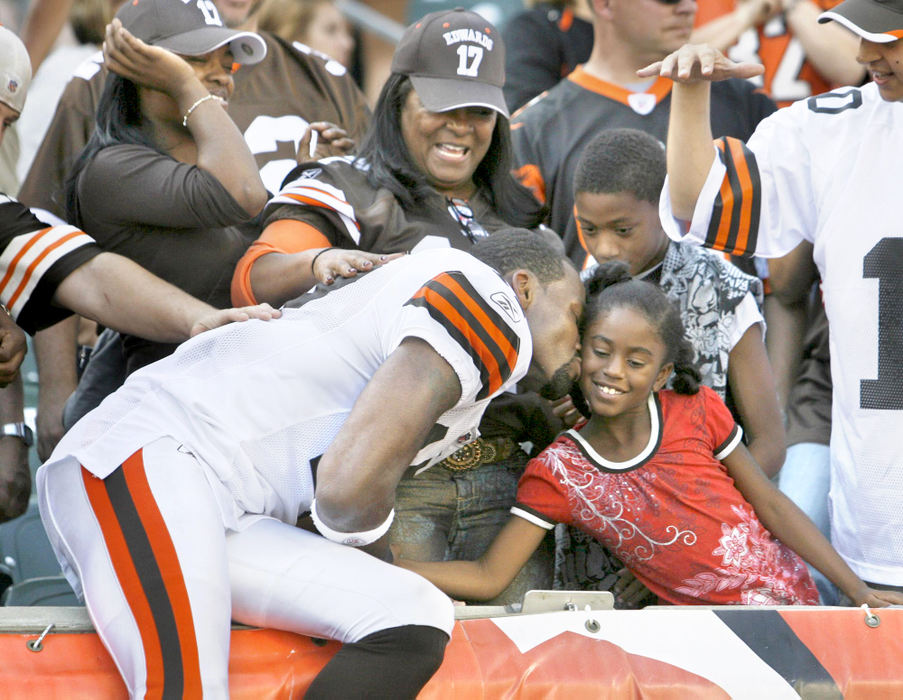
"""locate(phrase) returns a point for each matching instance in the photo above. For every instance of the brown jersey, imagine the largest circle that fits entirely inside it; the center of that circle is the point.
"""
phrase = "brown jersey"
(273, 103)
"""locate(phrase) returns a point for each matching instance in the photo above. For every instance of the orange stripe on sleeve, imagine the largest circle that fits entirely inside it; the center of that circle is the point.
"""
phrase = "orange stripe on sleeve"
(745, 181)
(282, 236)
(125, 573)
(18, 256)
(168, 562)
(31, 268)
(488, 325)
(492, 367)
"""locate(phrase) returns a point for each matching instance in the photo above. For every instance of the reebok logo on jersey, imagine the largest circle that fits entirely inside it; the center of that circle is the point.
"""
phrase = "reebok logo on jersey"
(504, 303)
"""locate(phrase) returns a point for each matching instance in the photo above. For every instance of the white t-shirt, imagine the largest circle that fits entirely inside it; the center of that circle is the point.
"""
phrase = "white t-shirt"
(257, 402)
(830, 170)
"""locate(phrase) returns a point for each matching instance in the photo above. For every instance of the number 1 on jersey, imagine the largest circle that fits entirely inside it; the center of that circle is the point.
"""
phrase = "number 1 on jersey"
(883, 262)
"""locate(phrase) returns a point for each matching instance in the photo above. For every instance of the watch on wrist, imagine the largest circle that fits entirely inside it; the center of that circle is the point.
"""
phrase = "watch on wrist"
(19, 430)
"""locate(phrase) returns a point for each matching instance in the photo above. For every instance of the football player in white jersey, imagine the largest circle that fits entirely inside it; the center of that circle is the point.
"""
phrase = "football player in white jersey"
(172, 507)
(826, 170)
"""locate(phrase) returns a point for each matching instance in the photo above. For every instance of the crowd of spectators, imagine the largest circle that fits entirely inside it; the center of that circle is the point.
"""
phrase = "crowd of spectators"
(187, 180)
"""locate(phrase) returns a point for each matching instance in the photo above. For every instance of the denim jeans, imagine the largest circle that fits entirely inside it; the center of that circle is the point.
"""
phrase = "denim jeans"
(805, 479)
(442, 514)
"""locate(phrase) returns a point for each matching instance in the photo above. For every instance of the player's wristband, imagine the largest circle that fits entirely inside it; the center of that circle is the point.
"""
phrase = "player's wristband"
(352, 539)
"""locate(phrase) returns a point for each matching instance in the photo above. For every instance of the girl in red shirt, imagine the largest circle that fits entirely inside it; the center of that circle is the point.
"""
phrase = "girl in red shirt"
(659, 476)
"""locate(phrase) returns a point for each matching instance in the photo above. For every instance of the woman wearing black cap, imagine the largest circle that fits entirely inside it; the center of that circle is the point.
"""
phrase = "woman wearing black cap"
(433, 170)
(167, 179)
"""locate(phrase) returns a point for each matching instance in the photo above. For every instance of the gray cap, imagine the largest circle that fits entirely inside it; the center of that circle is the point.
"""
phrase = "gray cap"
(190, 28)
(15, 70)
(454, 58)
(880, 21)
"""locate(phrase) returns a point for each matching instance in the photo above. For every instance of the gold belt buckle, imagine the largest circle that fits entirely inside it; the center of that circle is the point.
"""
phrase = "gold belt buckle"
(471, 455)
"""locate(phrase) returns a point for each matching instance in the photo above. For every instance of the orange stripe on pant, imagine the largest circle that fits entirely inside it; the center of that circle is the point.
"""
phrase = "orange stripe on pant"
(126, 568)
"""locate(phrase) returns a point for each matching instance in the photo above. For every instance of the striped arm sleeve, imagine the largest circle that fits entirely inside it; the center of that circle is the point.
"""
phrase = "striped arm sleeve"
(34, 261)
(311, 192)
(734, 226)
(452, 302)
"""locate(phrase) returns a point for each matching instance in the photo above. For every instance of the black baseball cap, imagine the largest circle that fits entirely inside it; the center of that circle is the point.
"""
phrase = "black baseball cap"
(190, 28)
(454, 58)
(880, 21)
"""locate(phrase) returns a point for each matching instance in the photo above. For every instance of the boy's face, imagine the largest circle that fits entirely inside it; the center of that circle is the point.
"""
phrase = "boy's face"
(618, 226)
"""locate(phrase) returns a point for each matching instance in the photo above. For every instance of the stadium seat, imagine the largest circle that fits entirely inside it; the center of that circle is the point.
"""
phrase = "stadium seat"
(24, 548)
(45, 590)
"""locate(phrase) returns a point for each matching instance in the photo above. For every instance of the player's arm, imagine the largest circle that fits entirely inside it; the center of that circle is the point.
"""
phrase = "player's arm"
(488, 576)
(830, 48)
(388, 425)
(753, 390)
(289, 258)
(690, 151)
(790, 525)
(120, 294)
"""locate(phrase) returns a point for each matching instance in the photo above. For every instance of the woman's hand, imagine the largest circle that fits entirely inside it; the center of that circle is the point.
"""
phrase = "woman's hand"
(264, 312)
(148, 66)
(693, 63)
(331, 140)
(331, 263)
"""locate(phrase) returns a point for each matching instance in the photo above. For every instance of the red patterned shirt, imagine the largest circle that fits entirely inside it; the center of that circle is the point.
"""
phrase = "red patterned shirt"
(671, 514)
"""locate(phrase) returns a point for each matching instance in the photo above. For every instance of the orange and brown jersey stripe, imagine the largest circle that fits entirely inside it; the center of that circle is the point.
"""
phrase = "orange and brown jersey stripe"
(734, 227)
(149, 573)
(451, 300)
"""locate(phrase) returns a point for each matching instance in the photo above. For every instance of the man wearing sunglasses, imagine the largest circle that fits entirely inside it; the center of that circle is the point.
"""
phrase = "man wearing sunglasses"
(550, 133)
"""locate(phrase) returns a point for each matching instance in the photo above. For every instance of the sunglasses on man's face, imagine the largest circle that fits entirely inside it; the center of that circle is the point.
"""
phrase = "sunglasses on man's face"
(668, 2)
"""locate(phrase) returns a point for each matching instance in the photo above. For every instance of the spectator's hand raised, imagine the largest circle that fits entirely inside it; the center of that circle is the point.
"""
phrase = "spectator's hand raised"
(331, 140)
(693, 63)
(264, 312)
(332, 263)
(149, 66)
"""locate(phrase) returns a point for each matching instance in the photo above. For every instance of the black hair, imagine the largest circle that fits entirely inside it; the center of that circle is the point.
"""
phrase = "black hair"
(389, 164)
(118, 120)
(622, 160)
(516, 248)
(610, 286)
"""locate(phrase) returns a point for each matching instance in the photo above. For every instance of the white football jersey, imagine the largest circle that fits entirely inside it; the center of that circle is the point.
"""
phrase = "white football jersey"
(830, 170)
(258, 403)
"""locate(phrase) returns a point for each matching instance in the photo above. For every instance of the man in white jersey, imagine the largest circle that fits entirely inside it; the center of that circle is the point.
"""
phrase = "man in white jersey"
(825, 170)
(172, 506)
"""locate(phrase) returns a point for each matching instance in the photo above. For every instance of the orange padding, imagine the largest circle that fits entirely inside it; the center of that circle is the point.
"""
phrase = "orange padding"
(283, 236)
(481, 661)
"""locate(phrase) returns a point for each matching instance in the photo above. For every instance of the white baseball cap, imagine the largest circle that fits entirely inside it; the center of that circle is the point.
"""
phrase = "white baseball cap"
(880, 21)
(15, 70)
